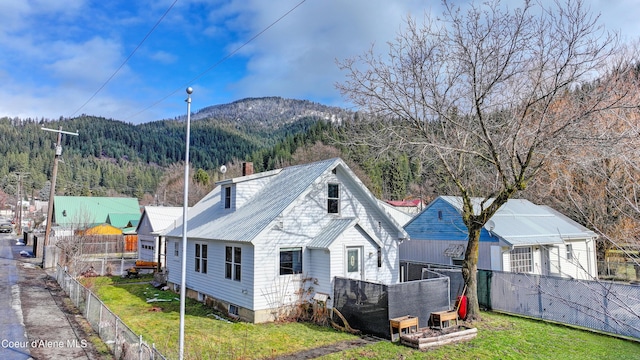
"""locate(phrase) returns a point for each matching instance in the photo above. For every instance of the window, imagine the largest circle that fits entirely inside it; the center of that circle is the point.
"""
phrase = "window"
(233, 310)
(439, 214)
(290, 261)
(232, 263)
(521, 260)
(569, 252)
(227, 197)
(333, 198)
(176, 248)
(201, 258)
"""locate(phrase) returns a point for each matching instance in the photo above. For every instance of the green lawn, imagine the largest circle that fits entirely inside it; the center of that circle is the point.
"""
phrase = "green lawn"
(499, 336)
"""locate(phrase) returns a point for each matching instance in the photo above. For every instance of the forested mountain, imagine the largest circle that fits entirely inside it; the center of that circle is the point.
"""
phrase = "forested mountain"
(110, 156)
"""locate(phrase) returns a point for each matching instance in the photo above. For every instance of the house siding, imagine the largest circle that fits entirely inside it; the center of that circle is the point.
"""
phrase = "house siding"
(431, 234)
(295, 216)
(305, 220)
(146, 238)
(213, 283)
(432, 251)
(320, 267)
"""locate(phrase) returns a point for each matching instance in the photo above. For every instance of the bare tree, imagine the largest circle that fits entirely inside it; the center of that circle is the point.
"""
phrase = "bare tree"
(490, 94)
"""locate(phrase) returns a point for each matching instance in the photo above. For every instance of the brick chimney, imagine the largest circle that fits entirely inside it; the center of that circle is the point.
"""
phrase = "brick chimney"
(247, 168)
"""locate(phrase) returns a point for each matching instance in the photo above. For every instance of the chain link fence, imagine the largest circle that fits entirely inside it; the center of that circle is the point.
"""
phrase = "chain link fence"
(121, 340)
(607, 306)
(599, 305)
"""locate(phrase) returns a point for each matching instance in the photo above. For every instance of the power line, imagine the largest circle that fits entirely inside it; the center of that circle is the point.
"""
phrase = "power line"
(126, 60)
(219, 61)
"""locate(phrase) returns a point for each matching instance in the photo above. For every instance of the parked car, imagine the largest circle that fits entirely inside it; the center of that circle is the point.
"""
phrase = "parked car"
(6, 227)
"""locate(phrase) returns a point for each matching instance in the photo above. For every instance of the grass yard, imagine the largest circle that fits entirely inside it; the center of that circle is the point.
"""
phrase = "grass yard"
(205, 336)
(499, 336)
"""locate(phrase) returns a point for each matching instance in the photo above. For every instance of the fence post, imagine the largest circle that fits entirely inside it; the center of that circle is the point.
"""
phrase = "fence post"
(115, 342)
(140, 348)
(86, 311)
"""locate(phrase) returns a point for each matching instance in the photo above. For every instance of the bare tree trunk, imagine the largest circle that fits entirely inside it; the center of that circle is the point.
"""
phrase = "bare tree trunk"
(469, 274)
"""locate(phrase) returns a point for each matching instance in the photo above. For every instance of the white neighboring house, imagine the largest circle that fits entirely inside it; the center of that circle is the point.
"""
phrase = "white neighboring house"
(154, 221)
(520, 237)
(256, 241)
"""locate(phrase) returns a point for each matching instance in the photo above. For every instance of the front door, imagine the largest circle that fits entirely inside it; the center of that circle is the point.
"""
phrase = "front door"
(354, 262)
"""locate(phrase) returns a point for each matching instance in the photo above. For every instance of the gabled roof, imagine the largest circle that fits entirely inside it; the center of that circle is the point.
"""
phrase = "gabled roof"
(404, 203)
(399, 216)
(82, 210)
(520, 222)
(162, 217)
(278, 190)
(122, 220)
(333, 229)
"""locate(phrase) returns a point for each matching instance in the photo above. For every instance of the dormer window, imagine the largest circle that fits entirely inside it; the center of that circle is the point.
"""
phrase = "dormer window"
(227, 197)
(333, 198)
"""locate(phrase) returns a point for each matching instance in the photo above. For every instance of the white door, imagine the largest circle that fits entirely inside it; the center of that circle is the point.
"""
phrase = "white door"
(353, 264)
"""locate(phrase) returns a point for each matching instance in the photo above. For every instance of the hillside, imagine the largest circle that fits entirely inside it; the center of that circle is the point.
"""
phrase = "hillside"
(114, 156)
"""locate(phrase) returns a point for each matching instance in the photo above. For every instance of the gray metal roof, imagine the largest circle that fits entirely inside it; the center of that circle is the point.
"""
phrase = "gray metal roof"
(209, 220)
(330, 232)
(163, 217)
(520, 222)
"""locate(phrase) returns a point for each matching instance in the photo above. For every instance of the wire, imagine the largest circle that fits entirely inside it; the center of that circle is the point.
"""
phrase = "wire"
(218, 62)
(127, 59)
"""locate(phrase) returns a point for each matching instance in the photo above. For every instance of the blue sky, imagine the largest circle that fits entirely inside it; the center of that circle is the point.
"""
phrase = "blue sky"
(55, 54)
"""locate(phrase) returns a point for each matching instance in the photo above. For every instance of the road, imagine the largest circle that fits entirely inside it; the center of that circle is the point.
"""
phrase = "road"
(13, 334)
(36, 321)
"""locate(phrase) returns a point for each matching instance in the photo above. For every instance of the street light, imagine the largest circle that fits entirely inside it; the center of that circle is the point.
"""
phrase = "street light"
(185, 206)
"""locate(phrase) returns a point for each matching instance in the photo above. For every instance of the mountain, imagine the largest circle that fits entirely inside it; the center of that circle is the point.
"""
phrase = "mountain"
(270, 112)
(111, 155)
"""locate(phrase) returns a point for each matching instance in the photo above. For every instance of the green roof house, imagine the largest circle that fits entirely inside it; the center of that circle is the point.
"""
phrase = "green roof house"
(81, 212)
(123, 220)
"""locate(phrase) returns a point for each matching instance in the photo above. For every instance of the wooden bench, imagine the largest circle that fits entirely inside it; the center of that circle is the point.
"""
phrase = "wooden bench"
(408, 323)
(438, 319)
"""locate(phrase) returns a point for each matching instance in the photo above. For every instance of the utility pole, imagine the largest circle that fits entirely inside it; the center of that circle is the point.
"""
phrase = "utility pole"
(52, 191)
(19, 225)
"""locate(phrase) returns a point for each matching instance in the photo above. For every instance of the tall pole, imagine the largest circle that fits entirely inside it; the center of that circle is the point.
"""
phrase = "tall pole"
(185, 206)
(20, 196)
(52, 190)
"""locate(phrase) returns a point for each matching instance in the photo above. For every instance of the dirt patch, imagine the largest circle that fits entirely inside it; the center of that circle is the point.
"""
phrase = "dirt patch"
(330, 349)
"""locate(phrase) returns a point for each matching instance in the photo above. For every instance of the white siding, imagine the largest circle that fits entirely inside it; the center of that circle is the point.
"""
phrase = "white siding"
(214, 283)
(144, 253)
(582, 264)
(320, 267)
(173, 261)
(303, 221)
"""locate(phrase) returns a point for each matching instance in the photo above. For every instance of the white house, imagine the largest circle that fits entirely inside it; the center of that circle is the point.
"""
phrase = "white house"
(258, 243)
(520, 237)
(154, 221)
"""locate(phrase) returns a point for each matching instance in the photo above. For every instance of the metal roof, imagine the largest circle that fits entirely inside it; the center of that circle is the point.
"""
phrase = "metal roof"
(163, 217)
(82, 210)
(121, 220)
(208, 220)
(520, 222)
(278, 189)
(330, 232)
